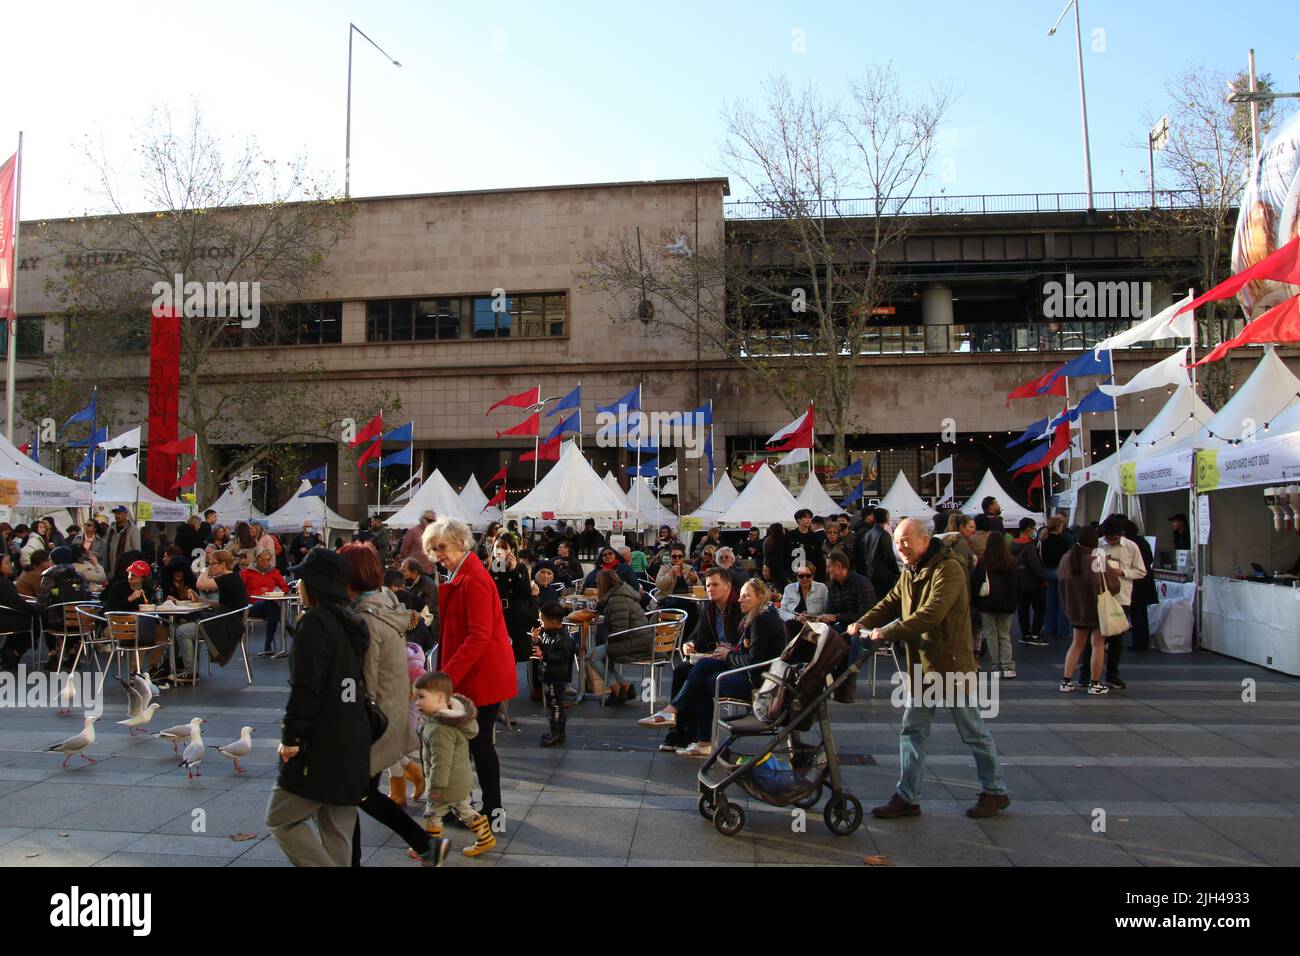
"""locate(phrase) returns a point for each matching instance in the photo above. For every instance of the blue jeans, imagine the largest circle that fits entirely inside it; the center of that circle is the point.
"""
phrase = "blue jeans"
(696, 696)
(916, 732)
(1054, 623)
(268, 611)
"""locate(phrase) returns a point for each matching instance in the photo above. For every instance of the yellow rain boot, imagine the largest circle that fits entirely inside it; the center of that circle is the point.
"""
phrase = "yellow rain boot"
(481, 827)
(413, 773)
(397, 789)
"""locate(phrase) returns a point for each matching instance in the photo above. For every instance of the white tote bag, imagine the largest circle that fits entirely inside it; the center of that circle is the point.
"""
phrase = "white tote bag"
(1110, 613)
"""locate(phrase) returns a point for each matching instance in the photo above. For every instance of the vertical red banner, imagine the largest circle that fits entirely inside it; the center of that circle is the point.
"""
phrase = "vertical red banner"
(8, 170)
(164, 398)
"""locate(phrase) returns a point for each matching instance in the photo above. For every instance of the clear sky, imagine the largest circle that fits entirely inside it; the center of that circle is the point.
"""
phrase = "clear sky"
(515, 94)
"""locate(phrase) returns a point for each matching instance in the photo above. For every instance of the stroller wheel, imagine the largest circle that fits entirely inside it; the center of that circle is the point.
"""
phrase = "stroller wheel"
(843, 814)
(707, 805)
(810, 801)
(729, 819)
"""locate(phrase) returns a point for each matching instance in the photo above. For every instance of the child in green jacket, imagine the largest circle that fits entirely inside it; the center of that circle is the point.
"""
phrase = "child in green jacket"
(447, 725)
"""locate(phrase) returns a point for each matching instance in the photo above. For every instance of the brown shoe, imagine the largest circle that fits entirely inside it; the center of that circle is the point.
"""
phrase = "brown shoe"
(896, 807)
(987, 804)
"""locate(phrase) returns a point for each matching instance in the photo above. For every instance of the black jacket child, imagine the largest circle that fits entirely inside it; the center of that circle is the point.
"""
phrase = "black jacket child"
(557, 655)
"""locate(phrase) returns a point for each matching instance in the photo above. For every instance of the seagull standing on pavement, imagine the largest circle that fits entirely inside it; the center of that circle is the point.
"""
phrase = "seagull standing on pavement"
(68, 695)
(77, 746)
(139, 710)
(239, 748)
(178, 733)
(193, 755)
(141, 719)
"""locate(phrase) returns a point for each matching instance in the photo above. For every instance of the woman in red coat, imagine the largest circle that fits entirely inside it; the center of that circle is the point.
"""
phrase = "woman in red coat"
(475, 649)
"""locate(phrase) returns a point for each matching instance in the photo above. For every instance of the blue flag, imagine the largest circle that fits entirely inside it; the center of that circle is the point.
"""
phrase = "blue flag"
(1034, 454)
(855, 494)
(649, 469)
(630, 402)
(569, 424)
(572, 400)
(708, 453)
(850, 471)
(1034, 432)
(1089, 363)
(706, 411)
(402, 457)
(97, 438)
(101, 462)
(315, 491)
(87, 414)
(1094, 401)
(405, 433)
(317, 474)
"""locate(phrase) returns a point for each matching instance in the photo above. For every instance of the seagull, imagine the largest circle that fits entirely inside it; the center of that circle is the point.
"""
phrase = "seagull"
(141, 719)
(239, 748)
(178, 733)
(193, 755)
(143, 685)
(68, 695)
(76, 746)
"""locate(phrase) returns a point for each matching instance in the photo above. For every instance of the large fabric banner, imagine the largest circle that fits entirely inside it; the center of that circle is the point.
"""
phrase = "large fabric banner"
(1165, 473)
(1263, 462)
(164, 399)
(7, 264)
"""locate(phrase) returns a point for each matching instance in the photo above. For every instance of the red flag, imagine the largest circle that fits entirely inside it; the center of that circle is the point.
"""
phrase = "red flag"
(1281, 265)
(523, 400)
(753, 466)
(374, 451)
(497, 499)
(185, 446)
(1060, 444)
(802, 437)
(1279, 324)
(1031, 389)
(1037, 482)
(499, 476)
(190, 477)
(527, 427)
(26, 448)
(546, 451)
(8, 205)
(373, 430)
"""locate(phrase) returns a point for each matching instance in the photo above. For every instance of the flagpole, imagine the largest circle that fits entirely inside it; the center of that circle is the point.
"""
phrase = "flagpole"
(579, 414)
(11, 320)
(812, 452)
(410, 465)
(712, 470)
(639, 397)
(1194, 511)
(538, 413)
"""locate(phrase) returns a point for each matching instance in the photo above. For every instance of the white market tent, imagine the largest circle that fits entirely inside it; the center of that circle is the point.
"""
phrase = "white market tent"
(571, 490)
(1270, 389)
(647, 510)
(720, 499)
(38, 487)
(295, 511)
(764, 501)
(475, 502)
(902, 501)
(118, 484)
(1012, 510)
(236, 502)
(435, 495)
(612, 484)
(815, 499)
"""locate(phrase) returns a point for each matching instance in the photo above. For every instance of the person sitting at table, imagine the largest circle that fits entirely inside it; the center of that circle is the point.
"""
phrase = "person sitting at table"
(707, 559)
(804, 600)
(760, 637)
(61, 584)
(128, 594)
(610, 560)
(718, 626)
(567, 568)
(726, 559)
(263, 577)
(178, 581)
(620, 605)
(223, 636)
(17, 617)
(29, 582)
(544, 577)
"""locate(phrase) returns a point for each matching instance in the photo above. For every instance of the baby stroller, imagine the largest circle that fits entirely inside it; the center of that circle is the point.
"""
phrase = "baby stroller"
(787, 771)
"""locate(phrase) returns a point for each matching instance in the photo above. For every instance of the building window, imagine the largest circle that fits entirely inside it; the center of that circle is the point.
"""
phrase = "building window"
(289, 323)
(534, 315)
(31, 336)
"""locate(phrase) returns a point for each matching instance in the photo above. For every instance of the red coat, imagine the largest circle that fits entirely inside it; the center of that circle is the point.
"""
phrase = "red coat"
(259, 582)
(475, 650)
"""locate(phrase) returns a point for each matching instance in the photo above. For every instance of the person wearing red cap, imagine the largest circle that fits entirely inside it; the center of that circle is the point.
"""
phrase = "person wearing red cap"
(127, 595)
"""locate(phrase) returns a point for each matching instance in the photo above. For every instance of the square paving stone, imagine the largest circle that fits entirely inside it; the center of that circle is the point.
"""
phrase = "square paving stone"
(573, 831)
(1176, 841)
(1276, 841)
(686, 836)
(1052, 841)
(933, 840)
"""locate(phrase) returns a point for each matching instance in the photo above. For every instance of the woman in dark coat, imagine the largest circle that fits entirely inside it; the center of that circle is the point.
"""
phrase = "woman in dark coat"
(518, 596)
(16, 617)
(776, 555)
(1081, 584)
(325, 735)
(1144, 590)
(621, 607)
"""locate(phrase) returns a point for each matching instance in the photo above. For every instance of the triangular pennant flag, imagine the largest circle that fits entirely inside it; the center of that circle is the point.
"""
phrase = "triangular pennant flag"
(404, 433)
(372, 430)
(855, 494)
(630, 402)
(128, 439)
(315, 491)
(548, 450)
(87, 414)
(528, 427)
(374, 451)
(498, 499)
(190, 477)
(1281, 265)
(1033, 432)
(1052, 382)
(941, 468)
(572, 400)
(523, 400)
(184, 446)
(499, 476)
(1279, 324)
(316, 474)
(853, 470)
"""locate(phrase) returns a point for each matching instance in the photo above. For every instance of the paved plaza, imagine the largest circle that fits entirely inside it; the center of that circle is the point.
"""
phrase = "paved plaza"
(1186, 772)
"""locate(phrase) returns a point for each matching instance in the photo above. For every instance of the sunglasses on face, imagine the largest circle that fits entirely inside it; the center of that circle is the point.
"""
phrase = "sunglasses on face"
(803, 577)
(678, 557)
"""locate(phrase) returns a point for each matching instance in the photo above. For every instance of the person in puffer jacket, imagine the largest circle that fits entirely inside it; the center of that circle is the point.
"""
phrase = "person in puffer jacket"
(621, 607)
(448, 722)
(553, 652)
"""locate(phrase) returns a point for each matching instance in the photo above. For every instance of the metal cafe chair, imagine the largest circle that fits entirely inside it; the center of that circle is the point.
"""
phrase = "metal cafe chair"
(667, 629)
(207, 622)
(124, 634)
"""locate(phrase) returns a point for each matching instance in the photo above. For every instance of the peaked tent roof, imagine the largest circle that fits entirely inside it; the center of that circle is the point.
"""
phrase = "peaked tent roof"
(475, 502)
(763, 501)
(435, 495)
(612, 484)
(571, 489)
(902, 501)
(1012, 510)
(1173, 426)
(237, 502)
(720, 499)
(291, 515)
(1271, 388)
(815, 499)
(1101, 470)
(118, 485)
(38, 487)
(647, 510)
